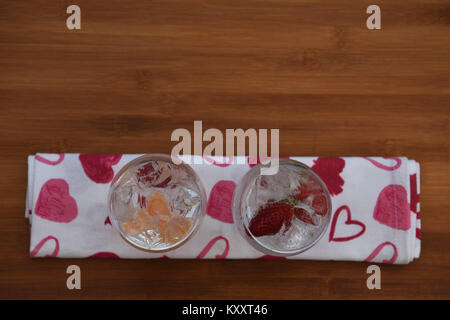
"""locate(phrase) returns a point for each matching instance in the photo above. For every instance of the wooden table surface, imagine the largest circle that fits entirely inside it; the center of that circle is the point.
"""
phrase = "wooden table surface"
(137, 70)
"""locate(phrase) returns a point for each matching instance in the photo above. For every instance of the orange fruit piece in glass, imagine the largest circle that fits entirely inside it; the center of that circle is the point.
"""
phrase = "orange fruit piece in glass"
(157, 205)
(158, 217)
(176, 229)
(171, 227)
(142, 222)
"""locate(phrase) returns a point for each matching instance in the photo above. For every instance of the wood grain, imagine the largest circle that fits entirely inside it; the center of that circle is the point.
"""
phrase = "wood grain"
(139, 69)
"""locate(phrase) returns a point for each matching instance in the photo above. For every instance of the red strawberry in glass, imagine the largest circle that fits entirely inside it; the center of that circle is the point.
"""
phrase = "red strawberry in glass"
(303, 215)
(282, 214)
(270, 219)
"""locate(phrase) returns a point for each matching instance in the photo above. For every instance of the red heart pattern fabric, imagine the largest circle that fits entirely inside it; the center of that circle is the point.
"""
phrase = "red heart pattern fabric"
(373, 257)
(376, 209)
(55, 202)
(220, 201)
(98, 167)
(392, 208)
(329, 169)
(361, 228)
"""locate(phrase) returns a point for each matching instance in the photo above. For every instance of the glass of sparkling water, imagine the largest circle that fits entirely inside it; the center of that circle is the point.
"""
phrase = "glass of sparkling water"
(155, 204)
(282, 214)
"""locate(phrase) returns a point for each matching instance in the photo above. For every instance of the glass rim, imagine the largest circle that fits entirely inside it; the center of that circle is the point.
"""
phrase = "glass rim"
(141, 160)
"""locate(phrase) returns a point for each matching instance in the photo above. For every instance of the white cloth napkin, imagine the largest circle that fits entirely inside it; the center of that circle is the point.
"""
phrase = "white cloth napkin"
(375, 210)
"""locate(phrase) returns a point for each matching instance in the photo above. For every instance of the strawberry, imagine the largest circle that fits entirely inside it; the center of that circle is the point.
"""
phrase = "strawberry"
(302, 193)
(303, 215)
(270, 218)
(319, 204)
(308, 187)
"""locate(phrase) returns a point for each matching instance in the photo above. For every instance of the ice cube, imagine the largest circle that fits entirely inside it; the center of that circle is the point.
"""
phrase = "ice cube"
(273, 188)
(185, 199)
(155, 174)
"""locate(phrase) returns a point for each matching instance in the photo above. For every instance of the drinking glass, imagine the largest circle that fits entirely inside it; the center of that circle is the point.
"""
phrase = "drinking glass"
(155, 204)
(282, 214)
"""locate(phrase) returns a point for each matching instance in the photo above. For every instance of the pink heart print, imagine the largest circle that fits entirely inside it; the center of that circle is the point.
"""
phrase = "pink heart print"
(55, 203)
(104, 254)
(107, 221)
(50, 162)
(211, 243)
(349, 221)
(379, 248)
(98, 167)
(392, 208)
(41, 243)
(229, 161)
(328, 169)
(418, 234)
(415, 197)
(398, 163)
(220, 201)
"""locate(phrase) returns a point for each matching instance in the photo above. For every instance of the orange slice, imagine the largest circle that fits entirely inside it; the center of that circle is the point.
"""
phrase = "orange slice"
(171, 227)
(142, 222)
(157, 205)
(177, 228)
